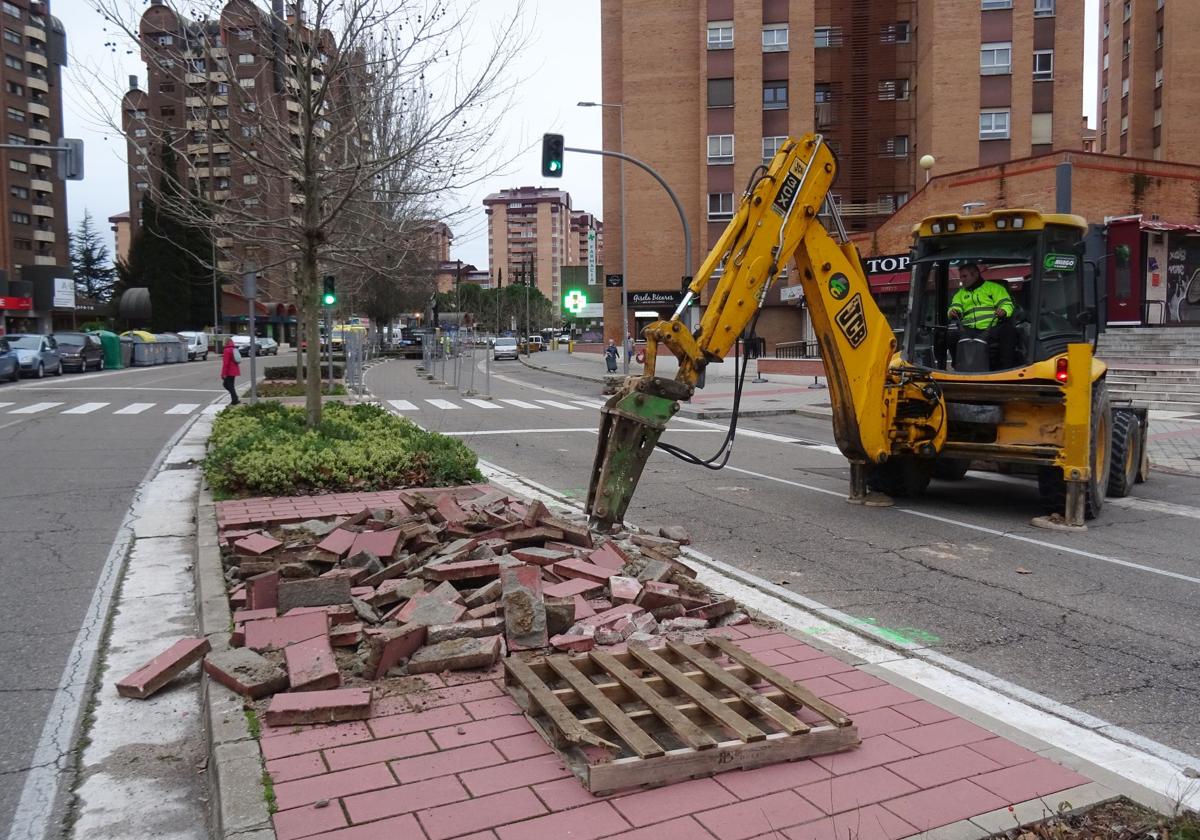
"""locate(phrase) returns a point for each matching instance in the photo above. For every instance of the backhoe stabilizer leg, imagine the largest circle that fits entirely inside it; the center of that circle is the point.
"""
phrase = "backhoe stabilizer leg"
(860, 494)
(1076, 497)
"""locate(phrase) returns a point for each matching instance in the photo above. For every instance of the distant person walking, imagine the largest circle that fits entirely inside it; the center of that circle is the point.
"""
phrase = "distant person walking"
(610, 355)
(230, 370)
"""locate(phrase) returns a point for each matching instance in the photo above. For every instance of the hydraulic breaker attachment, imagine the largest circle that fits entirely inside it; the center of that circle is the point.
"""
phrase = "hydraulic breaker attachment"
(633, 420)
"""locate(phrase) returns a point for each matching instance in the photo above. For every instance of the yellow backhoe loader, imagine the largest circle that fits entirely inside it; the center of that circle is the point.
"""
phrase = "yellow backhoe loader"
(1013, 384)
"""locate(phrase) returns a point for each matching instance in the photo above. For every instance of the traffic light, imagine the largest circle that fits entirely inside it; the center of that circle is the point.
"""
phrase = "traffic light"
(329, 295)
(552, 155)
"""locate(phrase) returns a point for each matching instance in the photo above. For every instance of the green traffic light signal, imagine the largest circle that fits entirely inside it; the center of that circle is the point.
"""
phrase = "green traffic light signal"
(552, 155)
(329, 296)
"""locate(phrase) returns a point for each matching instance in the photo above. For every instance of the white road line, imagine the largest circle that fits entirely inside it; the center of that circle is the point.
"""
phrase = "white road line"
(480, 403)
(490, 432)
(86, 408)
(588, 403)
(212, 409)
(1125, 753)
(521, 404)
(1155, 506)
(182, 408)
(134, 408)
(35, 408)
(445, 405)
(5, 405)
(561, 405)
(402, 405)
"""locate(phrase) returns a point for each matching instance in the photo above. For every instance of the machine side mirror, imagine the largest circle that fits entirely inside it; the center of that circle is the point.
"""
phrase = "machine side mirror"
(1086, 318)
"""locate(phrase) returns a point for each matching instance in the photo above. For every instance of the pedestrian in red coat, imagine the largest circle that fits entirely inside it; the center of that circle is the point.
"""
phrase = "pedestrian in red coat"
(230, 370)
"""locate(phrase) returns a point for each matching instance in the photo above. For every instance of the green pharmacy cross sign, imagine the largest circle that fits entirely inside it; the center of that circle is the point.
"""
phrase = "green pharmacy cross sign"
(574, 301)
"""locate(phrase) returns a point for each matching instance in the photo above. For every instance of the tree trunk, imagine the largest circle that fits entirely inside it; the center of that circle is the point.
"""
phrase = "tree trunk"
(312, 384)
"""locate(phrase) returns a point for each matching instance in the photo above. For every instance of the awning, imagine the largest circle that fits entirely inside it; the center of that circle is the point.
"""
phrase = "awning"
(889, 283)
(234, 305)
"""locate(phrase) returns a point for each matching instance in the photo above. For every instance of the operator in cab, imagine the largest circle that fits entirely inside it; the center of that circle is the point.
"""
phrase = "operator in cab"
(984, 306)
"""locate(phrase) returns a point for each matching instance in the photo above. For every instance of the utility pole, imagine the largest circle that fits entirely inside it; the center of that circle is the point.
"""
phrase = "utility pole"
(499, 295)
(528, 281)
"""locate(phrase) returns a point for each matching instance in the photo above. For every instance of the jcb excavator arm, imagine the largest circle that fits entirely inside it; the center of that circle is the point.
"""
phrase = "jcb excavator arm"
(880, 407)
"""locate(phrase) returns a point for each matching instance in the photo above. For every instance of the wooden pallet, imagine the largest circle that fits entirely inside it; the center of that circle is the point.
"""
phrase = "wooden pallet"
(652, 716)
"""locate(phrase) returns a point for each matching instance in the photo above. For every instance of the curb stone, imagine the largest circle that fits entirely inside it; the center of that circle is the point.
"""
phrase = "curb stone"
(238, 804)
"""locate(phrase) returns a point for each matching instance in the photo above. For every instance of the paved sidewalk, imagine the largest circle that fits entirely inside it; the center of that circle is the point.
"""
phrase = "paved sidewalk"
(1174, 437)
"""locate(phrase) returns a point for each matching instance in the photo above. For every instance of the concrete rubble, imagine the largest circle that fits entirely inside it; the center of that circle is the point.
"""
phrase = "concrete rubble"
(327, 608)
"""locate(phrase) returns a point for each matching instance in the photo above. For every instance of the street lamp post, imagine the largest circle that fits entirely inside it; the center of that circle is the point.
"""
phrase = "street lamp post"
(624, 257)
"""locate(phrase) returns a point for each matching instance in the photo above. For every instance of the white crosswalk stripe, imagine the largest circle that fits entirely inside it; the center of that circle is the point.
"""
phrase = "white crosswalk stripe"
(445, 405)
(134, 408)
(561, 405)
(5, 405)
(402, 405)
(521, 404)
(86, 408)
(588, 403)
(481, 403)
(35, 408)
(212, 409)
(182, 408)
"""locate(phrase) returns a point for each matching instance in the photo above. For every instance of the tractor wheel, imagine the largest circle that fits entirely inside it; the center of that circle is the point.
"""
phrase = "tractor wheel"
(900, 477)
(951, 469)
(1050, 479)
(1126, 458)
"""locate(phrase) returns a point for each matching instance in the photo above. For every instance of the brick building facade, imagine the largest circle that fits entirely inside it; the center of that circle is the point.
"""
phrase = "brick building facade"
(529, 229)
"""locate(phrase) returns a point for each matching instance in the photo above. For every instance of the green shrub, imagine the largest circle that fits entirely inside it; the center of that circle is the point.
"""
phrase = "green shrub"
(289, 371)
(285, 388)
(266, 450)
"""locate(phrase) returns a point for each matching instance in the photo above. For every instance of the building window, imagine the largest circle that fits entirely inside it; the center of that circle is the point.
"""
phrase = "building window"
(771, 147)
(993, 125)
(1158, 78)
(249, 130)
(827, 36)
(12, 37)
(1125, 47)
(142, 186)
(14, 63)
(1125, 86)
(16, 115)
(1105, 29)
(245, 34)
(1158, 39)
(11, 10)
(17, 139)
(249, 83)
(1128, 10)
(720, 35)
(139, 132)
(18, 192)
(894, 146)
(1104, 94)
(775, 96)
(249, 202)
(720, 148)
(23, 244)
(893, 89)
(249, 179)
(20, 218)
(165, 112)
(775, 38)
(166, 87)
(995, 4)
(18, 165)
(995, 59)
(245, 58)
(720, 207)
(164, 40)
(1043, 8)
(1043, 65)
(720, 93)
(1042, 129)
(16, 89)
(1124, 124)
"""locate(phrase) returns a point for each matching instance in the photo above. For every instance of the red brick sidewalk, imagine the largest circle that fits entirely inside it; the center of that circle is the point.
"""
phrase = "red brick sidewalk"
(460, 761)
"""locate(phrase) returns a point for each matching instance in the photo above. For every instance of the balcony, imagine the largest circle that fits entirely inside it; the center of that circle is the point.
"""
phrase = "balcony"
(41, 186)
(34, 83)
(39, 135)
(37, 110)
(38, 33)
(40, 160)
(43, 210)
(216, 172)
(36, 58)
(44, 260)
(220, 195)
(43, 236)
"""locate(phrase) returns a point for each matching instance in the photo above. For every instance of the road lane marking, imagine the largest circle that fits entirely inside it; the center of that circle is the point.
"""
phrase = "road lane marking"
(515, 432)
(212, 409)
(402, 405)
(444, 405)
(6, 405)
(73, 387)
(588, 403)
(35, 408)
(521, 404)
(182, 408)
(1155, 506)
(561, 405)
(86, 408)
(134, 408)
(481, 403)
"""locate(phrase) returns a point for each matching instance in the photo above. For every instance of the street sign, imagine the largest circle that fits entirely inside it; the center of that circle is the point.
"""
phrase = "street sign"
(614, 281)
(591, 257)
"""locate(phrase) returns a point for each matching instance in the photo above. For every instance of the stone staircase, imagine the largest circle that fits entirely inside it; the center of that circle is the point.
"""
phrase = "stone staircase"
(1154, 366)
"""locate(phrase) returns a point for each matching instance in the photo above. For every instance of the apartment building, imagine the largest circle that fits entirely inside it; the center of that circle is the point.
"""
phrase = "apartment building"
(584, 227)
(529, 229)
(885, 81)
(33, 247)
(1149, 79)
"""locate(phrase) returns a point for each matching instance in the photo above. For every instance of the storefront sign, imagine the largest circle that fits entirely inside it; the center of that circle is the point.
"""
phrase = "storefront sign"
(656, 299)
(614, 281)
(16, 303)
(64, 293)
(886, 265)
(591, 257)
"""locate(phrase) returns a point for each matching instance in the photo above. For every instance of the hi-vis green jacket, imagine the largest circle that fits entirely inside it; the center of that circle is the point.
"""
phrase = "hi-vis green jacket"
(978, 306)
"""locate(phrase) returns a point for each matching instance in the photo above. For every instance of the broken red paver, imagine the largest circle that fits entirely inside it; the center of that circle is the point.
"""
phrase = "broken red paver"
(609, 556)
(242, 616)
(624, 590)
(575, 643)
(311, 666)
(578, 586)
(319, 707)
(524, 608)
(256, 544)
(278, 633)
(262, 591)
(541, 556)
(380, 543)
(455, 655)
(313, 592)
(462, 571)
(390, 647)
(345, 635)
(582, 569)
(338, 542)
(163, 668)
(245, 672)
(611, 617)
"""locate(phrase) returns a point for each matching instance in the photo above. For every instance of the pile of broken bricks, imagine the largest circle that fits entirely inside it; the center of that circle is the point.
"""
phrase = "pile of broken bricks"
(323, 609)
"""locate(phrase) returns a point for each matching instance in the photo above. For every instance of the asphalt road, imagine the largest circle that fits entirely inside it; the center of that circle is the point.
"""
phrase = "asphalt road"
(1105, 621)
(72, 451)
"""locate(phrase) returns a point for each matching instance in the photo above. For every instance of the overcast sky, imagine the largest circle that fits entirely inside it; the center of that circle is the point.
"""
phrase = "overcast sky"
(560, 68)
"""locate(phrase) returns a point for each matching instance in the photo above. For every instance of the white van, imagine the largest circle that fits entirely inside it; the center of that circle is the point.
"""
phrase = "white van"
(197, 345)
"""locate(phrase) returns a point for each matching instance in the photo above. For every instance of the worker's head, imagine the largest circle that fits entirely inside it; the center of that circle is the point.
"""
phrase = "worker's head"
(969, 274)
(229, 342)
(612, 342)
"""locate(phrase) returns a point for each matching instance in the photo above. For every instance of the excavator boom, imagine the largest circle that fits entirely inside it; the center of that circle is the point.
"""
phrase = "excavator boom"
(878, 409)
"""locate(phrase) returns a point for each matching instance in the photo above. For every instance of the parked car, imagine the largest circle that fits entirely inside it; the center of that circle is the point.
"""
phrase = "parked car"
(505, 348)
(242, 343)
(267, 347)
(38, 354)
(79, 351)
(10, 365)
(197, 345)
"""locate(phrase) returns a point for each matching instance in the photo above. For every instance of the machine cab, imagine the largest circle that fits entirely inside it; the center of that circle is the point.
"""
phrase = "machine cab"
(1027, 300)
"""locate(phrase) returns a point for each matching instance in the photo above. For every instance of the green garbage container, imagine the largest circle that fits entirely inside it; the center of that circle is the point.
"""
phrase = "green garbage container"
(110, 343)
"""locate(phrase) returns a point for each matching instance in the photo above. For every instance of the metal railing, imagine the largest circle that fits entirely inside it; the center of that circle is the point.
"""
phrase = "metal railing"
(797, 350)
(358, 352)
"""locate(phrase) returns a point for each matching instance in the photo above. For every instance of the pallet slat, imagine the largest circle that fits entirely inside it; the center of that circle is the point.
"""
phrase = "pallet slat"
(566, 723)
(621, 724)
(688, 732)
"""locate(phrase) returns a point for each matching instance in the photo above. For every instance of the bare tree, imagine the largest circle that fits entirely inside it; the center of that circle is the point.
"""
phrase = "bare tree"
(319, 138)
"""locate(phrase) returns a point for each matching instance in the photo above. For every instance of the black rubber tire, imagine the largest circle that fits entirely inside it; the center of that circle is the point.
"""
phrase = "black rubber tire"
(41, 371)
(951, 469)
(59, 370)
(1126, 457)
(900, 477)
(1050, 479)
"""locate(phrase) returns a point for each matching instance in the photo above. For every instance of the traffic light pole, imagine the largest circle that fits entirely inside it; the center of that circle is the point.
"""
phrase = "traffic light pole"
(329, 342)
